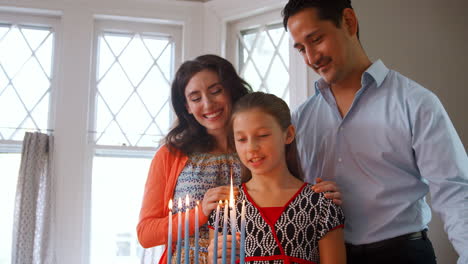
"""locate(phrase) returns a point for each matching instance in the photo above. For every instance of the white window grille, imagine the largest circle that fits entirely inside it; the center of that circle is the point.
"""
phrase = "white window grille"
(26, 54)
(134, 67)
(133, 88)
(264, 59)
(260, 47)
(27, 45)
(263, 53)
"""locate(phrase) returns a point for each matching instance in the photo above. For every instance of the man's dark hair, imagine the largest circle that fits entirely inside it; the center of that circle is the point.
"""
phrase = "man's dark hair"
(327, 10)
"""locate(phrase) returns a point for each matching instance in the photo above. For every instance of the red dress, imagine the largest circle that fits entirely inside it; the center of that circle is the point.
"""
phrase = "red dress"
(294, 236)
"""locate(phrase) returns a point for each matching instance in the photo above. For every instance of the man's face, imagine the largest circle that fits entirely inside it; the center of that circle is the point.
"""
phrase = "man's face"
(324, 47)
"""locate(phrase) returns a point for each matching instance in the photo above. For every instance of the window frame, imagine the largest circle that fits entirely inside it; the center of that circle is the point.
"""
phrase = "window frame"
(121, 25)
(44, 19)
(103, 25)
(299, 88)
(52, 21)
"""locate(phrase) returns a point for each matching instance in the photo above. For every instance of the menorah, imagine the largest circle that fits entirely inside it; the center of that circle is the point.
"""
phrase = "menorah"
(229, 213)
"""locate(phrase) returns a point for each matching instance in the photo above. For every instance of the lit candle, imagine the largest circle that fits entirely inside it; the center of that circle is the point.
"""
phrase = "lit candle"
(197, 247)
(179, 232)
(169, 234)
(232, 204)
(216, 232)
(242, 242)
(225, 222)
(187, 227)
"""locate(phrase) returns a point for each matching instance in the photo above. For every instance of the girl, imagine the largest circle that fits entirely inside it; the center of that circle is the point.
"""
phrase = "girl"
(286, 222)
(195, 158)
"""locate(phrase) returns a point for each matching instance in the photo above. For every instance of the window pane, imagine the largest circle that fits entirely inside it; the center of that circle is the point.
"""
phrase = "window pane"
(133, 87)
(25, 79)
(117, 192)
(9, 164)
(264, 59)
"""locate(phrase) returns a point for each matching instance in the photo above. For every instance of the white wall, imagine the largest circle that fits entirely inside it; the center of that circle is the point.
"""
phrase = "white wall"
(425, 40)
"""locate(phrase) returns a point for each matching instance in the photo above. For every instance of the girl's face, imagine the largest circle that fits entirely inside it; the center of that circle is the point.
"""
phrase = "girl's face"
(208, 101)
(260, 141)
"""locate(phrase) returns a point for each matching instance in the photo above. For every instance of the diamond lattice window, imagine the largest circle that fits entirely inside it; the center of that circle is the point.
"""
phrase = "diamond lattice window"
(25, 79)
(133, 89)
(264, 59)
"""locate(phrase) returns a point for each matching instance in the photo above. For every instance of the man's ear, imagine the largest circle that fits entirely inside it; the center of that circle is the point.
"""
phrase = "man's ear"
(349, 21)
(290, 134)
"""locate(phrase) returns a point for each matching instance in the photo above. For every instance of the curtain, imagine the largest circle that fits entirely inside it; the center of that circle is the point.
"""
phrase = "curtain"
(34, 211)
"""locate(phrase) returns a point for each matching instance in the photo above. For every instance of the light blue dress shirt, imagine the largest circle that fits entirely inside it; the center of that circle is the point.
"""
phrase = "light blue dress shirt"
(395, 143)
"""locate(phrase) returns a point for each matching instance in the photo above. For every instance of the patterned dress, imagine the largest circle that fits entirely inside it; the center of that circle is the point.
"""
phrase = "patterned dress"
(294, 237)
(202, 172)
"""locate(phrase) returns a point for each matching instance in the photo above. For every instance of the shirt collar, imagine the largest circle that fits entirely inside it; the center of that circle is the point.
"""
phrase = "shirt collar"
(377, 71)
(320, 85)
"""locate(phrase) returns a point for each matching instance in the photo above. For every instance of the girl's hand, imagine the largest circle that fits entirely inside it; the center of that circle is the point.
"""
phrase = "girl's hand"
(220, 248)
(213, 196)
(333, 192)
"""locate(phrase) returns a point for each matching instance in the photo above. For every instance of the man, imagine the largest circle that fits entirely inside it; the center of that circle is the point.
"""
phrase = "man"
(382, 137)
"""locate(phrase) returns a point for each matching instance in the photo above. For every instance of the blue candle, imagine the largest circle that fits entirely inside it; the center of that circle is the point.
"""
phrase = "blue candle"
(232, 204)
(216, 232)
(197, 247)
(242, 242)
(169, 234)
(225, 222)
(179, 232)
(187, 228)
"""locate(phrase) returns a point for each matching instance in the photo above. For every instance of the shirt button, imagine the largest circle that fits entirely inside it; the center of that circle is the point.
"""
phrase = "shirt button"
(340, 160)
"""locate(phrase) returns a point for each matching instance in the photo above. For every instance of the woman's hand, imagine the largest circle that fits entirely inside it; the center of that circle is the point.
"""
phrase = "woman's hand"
(333, 192)
(214, 195)
(220, 248)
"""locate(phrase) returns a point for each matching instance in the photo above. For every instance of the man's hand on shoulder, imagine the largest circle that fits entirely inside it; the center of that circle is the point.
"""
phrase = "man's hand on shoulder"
(331, 189)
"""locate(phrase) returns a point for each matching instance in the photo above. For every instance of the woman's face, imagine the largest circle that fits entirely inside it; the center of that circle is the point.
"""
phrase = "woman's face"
(208, 101)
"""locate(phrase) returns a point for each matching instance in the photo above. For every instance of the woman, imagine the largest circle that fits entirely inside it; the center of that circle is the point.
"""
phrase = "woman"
(195, 158)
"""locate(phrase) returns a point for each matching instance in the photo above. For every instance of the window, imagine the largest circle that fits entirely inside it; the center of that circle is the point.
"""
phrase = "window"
(26, 80)
(134, 68)
(264, 59)
(260, 46)
(117, 189)
(9, 162)
(263, 53)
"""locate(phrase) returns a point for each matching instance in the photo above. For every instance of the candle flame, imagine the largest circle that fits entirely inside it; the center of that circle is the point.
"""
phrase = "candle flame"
(187, 201)
(170, 205)
(198, 203)
(180, 203)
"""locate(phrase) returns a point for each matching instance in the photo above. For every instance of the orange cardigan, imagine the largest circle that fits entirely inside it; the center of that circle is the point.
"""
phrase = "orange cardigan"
(159, 189)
